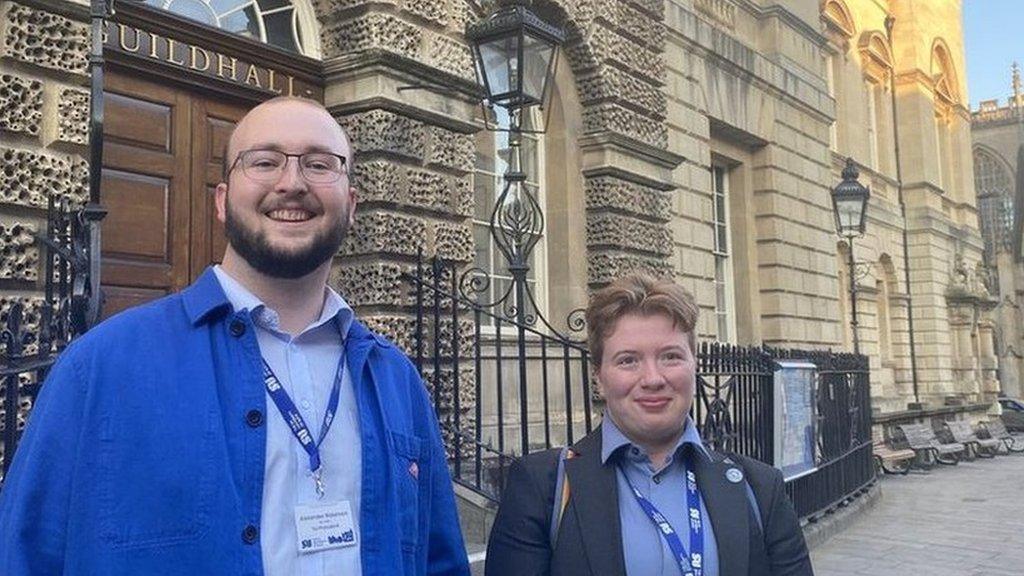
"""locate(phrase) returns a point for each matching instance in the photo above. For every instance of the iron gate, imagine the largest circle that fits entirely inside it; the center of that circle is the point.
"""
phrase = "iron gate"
(503, 386)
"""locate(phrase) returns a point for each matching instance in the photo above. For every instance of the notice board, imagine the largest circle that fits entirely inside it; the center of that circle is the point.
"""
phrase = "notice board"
(796, 417)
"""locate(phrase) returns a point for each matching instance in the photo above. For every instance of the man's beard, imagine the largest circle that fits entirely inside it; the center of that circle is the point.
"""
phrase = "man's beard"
(253, 247)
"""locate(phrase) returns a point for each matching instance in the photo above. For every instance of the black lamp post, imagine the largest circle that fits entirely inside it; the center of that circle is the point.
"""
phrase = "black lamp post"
(516, 53)
(850, 202)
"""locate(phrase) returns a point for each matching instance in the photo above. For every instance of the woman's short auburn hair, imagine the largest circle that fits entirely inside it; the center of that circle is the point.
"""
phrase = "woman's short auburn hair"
(644, 295)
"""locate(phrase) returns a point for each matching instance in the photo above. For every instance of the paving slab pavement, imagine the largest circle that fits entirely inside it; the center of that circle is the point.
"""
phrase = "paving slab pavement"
(966, 520)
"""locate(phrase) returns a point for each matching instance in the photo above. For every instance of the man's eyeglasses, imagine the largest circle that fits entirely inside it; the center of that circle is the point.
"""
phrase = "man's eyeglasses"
(269, 165)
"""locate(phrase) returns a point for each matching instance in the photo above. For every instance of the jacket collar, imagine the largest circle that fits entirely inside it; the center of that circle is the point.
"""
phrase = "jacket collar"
(613, 440)
(594, 486)
(204, 297)
(335, 309)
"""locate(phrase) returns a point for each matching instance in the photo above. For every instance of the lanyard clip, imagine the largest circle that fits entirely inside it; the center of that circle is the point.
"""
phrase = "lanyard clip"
(318, 478)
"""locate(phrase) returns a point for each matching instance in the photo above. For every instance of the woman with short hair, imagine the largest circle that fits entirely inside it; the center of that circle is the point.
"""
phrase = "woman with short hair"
(642, 495)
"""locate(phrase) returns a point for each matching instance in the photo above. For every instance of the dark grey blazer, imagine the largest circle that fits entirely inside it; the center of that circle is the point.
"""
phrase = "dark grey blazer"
(589, 538)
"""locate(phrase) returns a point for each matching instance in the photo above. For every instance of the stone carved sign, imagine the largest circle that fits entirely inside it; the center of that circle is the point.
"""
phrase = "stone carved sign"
(200, 60)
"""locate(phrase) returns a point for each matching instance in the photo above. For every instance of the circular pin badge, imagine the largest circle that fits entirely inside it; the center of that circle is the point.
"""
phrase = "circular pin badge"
(734, 475)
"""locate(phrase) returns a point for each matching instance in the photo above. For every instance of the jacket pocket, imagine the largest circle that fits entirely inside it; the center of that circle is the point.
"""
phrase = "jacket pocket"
(156, 480)
(408, 469)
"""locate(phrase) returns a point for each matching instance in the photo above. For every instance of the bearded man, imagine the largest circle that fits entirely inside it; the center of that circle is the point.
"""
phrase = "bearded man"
(249, 424)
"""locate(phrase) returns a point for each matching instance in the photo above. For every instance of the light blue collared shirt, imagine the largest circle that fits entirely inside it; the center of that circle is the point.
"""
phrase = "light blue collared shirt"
(643, 547)
(306, 365)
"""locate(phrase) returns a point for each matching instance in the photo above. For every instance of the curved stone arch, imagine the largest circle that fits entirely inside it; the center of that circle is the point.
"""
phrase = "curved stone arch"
(876, 55)
(616, 52)
(887, 286)
(836, 16)
(305, 11)
(886, 269)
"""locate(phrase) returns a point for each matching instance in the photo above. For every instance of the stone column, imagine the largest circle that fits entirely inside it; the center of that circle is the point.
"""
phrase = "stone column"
(989, 362)
(400, 79)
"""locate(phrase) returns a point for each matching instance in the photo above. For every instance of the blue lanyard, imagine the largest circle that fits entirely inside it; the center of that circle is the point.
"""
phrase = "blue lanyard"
(691, 564)
(294, 419)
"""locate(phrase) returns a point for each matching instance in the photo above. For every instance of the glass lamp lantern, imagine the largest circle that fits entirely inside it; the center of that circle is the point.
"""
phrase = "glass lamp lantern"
(515, 54)
(850, 201)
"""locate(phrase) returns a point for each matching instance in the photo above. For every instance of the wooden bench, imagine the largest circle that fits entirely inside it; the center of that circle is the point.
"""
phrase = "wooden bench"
(891, 460)
(964, 434)
(997, 430)
(922, 440)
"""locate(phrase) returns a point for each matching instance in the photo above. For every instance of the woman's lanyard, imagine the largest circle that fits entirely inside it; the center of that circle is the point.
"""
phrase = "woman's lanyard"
(294, 419)
(691, 564)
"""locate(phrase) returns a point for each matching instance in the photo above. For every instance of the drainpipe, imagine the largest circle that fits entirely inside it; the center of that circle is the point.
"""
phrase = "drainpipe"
(889, 22)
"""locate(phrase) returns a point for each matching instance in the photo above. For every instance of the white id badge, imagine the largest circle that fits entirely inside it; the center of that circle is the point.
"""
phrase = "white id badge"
(324, 526)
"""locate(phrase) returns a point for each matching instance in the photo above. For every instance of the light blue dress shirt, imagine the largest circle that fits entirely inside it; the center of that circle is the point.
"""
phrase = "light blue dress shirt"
(643, 546)
(306, 365)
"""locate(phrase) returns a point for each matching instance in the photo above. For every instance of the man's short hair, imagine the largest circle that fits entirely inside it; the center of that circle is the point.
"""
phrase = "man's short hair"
(228, 160)
(641, 294)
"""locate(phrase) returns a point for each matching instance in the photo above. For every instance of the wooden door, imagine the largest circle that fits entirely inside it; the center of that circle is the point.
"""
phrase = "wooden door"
(212, 123)
(161, 161)
(145, 189)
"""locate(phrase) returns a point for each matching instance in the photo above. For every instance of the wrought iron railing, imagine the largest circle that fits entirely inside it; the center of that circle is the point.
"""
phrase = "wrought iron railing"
(21, 375)
(35, 330)
(501, 388)
(844, 465)
(479, 364)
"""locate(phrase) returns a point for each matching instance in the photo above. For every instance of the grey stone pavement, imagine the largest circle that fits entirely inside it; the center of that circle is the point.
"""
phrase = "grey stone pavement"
(966, 520)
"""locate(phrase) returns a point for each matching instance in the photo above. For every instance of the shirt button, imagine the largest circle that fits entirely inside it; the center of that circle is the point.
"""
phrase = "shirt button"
(657, 479)
(254, 418)
(250, 534)
(306, 404)
(237, 327)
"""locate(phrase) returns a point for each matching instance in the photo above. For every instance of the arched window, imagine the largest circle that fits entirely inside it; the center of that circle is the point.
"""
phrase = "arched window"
(839, 29)
(995, 201)
(877, 62)
(275, 22)
(944, 76)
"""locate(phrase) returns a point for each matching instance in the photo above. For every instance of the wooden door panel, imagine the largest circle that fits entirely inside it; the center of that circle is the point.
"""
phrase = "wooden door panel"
(138, 123)
(138, 224)
(145, 187)
(212, 123)
(124, 157)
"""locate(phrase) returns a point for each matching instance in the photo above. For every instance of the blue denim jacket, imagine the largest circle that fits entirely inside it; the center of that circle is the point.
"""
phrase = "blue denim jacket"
(142, 456)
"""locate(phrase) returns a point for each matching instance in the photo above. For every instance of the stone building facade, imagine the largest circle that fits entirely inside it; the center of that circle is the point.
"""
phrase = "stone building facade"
(998, 146)
(693, 138)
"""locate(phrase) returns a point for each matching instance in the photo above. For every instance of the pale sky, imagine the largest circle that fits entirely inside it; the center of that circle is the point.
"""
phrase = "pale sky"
(993, 40)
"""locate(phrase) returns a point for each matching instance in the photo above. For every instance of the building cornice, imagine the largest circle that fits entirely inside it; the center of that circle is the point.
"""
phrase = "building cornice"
(782, 13)
(709, 41)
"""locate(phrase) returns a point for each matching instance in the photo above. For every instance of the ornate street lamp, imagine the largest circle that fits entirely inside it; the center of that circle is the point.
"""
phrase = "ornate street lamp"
(850, 202)
(516, 54)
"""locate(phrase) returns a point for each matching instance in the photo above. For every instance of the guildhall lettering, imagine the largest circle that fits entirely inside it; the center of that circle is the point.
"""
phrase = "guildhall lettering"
(198, 59)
